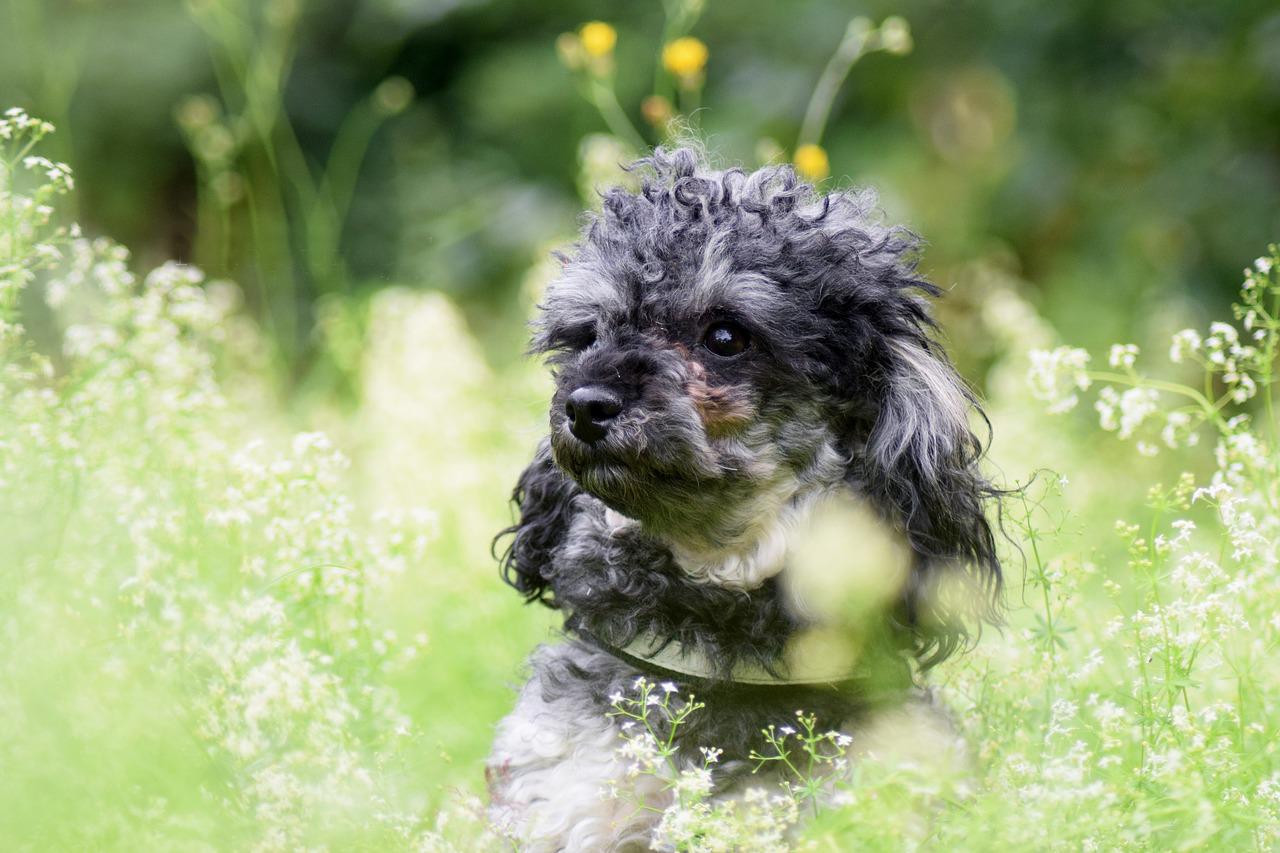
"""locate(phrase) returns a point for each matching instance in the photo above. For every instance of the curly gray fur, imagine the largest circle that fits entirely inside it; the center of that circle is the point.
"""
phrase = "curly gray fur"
(843, 359)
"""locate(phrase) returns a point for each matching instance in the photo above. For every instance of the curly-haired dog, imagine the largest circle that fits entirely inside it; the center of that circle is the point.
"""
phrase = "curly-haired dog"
(728, 349)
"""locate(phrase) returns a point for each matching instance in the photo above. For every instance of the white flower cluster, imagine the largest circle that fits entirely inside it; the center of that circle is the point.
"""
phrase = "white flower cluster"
(762, 819)
(1242, 362)
(216, 586)
(801, 769)
(1226, 355)
(29, 185)
(1124, 412)
(1179, 430)
(1056, 376)
(1143, 705)
(1186, 344)
(56, 176)
(758, 820)
(16, 124)
(1123, 356)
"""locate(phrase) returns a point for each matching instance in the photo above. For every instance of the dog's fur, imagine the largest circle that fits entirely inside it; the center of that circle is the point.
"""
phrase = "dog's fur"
(675, 525)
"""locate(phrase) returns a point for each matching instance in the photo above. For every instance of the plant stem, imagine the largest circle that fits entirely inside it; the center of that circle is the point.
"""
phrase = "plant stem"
(1212, 410)
(833, 76)
(606, 102)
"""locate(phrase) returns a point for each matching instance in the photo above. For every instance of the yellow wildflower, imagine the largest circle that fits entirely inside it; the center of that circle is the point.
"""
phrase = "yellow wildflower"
(598, 38)
(811, 162)
(685, 57)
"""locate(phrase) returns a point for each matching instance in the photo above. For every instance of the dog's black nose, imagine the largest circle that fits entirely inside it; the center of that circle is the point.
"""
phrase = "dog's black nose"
(590, 408)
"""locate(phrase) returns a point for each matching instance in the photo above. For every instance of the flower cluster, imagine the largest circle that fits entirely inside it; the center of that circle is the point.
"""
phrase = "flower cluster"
(671, 110)
(1150, 736)
(29, 186)
(191, 566)
(756, 802)
(1057, 375)
(690, 819)
(1236, 362)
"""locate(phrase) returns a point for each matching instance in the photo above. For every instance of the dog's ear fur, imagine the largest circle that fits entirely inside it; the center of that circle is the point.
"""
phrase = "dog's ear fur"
(544, 498)
(912, 449)
(921, 461)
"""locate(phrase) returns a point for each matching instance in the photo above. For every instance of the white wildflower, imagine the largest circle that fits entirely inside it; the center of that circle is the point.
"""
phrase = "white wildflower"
(1185, 342)
(1123, 355)
(1056, 375)
(1125, 412)
(1179, 430)
(694, 782)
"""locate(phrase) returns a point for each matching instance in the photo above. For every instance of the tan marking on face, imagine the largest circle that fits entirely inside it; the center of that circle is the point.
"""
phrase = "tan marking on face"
(724, 409)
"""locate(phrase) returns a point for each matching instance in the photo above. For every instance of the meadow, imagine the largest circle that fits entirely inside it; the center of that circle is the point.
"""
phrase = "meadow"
(240, 611)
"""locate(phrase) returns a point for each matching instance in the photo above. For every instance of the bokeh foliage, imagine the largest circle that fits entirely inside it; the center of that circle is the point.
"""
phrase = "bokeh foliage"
(1118, 159)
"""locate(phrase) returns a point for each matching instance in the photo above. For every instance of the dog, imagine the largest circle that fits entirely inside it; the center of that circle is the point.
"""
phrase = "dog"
(729, 350)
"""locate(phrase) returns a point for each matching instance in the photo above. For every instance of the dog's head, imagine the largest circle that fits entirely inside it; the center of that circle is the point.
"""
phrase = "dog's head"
(727, 346)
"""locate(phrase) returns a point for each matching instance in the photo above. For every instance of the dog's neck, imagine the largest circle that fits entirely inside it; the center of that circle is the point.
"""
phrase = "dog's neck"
(746, 561)
(756, 547)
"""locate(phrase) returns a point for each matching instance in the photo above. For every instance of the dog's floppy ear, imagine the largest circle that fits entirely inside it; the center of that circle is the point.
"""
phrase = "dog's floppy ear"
(905, 418)
(921, 461)
(544, 498)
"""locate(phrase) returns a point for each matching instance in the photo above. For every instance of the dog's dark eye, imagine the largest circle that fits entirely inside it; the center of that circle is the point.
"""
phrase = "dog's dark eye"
(573, 339)
(726, 339)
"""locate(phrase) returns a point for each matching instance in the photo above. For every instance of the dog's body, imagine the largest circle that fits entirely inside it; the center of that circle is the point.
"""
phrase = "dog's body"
(730, 351)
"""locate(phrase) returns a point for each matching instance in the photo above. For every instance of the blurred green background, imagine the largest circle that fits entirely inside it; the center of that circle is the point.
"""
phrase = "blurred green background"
(1117, 161)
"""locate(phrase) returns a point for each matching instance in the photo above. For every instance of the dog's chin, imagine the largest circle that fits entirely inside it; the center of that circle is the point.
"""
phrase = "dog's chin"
(606, 472)
(679, 500)
(614, 487)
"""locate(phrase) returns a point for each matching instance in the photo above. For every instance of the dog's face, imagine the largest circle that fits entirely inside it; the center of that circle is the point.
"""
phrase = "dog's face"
(677, 399)
(726, 344)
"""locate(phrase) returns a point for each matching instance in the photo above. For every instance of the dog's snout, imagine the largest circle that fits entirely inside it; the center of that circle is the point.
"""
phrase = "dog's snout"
(590, 409)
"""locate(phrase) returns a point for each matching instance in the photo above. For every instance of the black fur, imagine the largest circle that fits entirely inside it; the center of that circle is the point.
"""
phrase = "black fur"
(544, 498)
